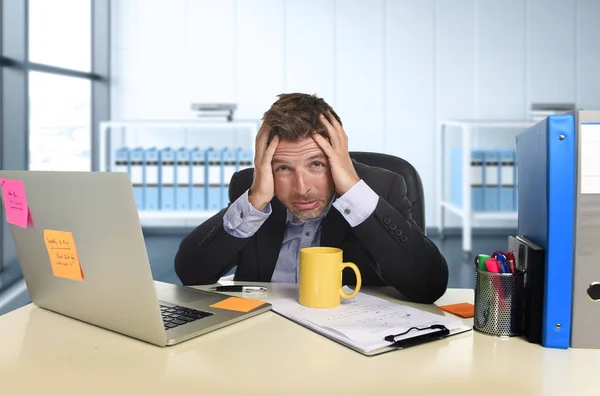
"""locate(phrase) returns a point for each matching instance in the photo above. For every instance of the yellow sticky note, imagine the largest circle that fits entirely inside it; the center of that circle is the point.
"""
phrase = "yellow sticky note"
(238, 304)
(63, 254)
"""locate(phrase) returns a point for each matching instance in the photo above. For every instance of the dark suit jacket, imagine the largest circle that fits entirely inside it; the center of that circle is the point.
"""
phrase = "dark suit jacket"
(388, 247)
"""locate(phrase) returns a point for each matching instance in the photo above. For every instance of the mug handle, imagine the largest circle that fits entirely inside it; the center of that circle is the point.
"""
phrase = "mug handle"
(358, 280)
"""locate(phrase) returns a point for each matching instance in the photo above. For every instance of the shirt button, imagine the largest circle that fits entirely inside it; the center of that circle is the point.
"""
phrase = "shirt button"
(347, 211)
(242, 215)
(307, 234)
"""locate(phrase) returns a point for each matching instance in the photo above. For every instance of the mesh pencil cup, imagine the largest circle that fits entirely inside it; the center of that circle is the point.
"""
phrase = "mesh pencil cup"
(498, 303)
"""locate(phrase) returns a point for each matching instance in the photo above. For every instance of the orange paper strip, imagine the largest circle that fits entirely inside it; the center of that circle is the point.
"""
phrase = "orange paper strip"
(464, 310)
(238, 304)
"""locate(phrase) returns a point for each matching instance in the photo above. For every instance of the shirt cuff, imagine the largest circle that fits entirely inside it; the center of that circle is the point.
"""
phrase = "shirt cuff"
(357, 204)
(242, 220)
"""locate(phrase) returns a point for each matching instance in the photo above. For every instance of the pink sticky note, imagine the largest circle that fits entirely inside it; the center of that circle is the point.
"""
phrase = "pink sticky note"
(15, 202)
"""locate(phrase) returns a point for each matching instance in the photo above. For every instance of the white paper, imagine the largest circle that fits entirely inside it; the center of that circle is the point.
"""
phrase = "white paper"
(364, 320)
(590, 159)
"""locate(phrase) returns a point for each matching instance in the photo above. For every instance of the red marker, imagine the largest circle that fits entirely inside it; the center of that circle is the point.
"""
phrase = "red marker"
(511, 262)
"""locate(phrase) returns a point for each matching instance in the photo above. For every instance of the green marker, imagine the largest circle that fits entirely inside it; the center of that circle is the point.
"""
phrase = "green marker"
(481, 258)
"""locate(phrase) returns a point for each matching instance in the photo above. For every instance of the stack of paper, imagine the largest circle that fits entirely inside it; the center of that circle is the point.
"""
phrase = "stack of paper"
(364, 321)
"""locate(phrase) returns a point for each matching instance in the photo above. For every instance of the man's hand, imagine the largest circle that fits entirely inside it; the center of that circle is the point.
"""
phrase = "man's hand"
(263, 187)
(336, 149)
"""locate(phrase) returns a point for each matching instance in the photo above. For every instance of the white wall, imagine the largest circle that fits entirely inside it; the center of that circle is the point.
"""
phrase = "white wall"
(391, 68)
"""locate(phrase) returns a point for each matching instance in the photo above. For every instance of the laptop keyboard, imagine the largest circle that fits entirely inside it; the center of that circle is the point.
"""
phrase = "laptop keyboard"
(174, 316)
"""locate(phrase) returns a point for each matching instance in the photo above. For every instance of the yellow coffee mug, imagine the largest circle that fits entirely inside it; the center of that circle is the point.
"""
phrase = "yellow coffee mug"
(320, 281)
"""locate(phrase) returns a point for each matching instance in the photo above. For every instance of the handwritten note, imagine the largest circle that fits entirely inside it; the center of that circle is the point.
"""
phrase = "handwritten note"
(15, 202)
(63, 254)
(238, 304)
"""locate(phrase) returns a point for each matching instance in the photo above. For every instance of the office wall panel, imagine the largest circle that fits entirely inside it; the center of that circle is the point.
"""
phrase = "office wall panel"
(501, 60)
(551, 34)
(409, 86)
(260, 55)
(210, 53)
(360, 63)
(375, 61)
(310, 48)
(588, 55)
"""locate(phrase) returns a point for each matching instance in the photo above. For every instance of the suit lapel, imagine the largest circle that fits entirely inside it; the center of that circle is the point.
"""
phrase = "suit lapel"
(269, 240)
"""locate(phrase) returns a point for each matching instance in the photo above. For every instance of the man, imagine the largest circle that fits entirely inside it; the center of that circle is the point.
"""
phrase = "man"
(306, 191)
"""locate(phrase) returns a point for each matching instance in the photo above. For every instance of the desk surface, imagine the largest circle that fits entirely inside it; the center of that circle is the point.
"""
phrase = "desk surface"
(43, 353)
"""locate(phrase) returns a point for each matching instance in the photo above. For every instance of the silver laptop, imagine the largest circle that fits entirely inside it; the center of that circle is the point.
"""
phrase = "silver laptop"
(117, 291)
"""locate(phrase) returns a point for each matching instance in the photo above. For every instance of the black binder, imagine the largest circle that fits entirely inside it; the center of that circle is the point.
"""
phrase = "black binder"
(530, 258)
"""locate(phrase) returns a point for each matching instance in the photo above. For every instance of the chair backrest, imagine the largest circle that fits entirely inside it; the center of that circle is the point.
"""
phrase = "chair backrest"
(414, 186)
(395, 164)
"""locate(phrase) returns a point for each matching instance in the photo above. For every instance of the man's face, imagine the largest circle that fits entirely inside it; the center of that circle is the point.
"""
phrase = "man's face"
(303, 181)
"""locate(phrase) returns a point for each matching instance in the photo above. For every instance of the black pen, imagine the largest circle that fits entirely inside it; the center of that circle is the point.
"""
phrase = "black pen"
(240, 288)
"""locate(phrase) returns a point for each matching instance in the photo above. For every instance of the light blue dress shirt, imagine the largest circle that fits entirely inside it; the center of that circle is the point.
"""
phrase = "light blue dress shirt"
(242, 220)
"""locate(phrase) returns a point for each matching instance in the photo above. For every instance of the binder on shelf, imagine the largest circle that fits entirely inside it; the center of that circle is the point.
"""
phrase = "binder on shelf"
(230, 166)
(491, 181)
(214, 179)
(507, 181)
(136, 162)
(198, 178)
(245, 159)
(477, 160)
(546, 154)
(183, 189)
(167, 179)
(121, 161)
(477, 172)
(151, 180)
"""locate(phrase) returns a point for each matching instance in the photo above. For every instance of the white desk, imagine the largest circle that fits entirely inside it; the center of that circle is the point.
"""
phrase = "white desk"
(45, 353)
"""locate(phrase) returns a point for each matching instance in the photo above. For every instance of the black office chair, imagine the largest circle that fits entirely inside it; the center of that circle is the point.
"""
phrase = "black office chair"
(395, 164)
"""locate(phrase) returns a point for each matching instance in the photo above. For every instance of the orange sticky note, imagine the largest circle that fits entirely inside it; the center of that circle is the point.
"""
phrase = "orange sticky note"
(464, 310)
(63, 254)
(15, 202)
(238, 304)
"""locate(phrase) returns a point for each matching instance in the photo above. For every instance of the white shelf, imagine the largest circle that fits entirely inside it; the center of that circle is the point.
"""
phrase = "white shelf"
(181, 218)
(468, 129)
(480, 215)
(150, 133)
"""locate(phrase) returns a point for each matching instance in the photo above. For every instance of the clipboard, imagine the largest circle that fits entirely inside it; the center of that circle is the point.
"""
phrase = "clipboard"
(433, 330)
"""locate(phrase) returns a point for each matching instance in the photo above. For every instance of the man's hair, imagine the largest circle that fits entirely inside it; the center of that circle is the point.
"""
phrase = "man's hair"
(295, 115)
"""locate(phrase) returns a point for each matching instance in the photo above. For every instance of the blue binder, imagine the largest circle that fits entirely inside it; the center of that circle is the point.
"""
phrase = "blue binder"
(166, 174)
(507, 180)
(151, 180)
(137, 166)
(121, 162)
(214, 179)
(546, 155)
(230, 166)
(491, 182)
(183, 189)
(198, 178)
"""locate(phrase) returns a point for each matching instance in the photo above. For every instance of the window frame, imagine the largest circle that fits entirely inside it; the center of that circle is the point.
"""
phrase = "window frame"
(14, 73)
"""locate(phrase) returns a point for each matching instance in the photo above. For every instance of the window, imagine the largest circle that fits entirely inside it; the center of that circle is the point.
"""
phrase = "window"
(60, 33)
(59, 122)
(54, 66)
